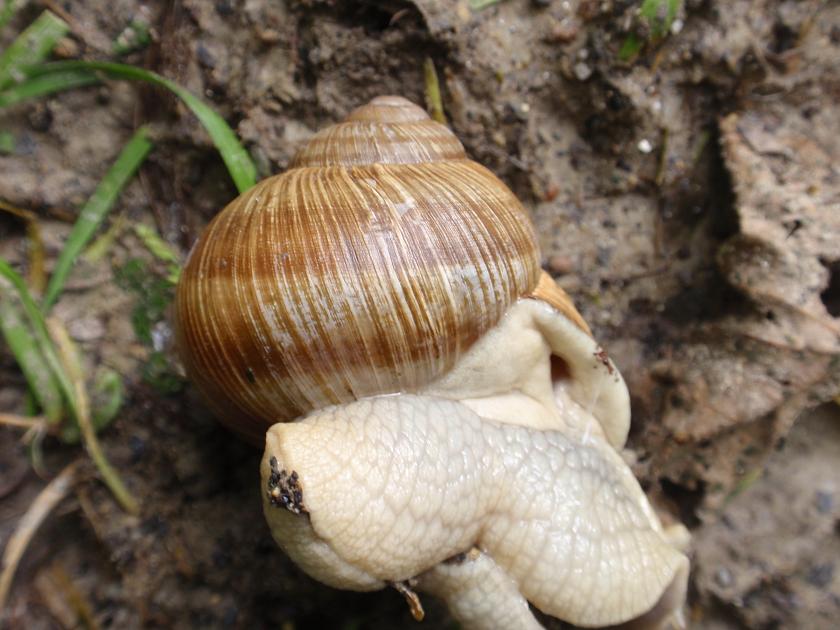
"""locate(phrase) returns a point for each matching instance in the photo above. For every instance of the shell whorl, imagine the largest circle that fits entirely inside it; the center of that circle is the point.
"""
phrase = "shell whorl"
(388, 130)
(369, 267)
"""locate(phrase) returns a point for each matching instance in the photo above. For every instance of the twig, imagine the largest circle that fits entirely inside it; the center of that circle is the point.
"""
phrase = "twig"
(63, 585)
(24, 422)
(663, 158)
(43, 504)
(699, 147)
(75, 27)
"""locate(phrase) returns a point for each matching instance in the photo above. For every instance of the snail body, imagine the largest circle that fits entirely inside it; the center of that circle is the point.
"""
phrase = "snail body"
(434, 410)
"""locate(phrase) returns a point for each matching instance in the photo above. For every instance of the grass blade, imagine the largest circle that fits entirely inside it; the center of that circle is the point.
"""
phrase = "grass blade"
(10, 7)
(236, 158)
(105, 241)
(434, 103)
(81, 409)
(161, 250)
(46, 84)
(37, 328)
(477, 5)
(107, 396)
(630, 47)
(25, 349)
(62, 75)
(7, 143)
(94, 211)
(31, 46)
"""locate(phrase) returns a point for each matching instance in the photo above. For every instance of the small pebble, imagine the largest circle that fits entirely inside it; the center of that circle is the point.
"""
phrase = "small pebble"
(224, 8)
(560, 265)
(645, 146)
(205, 57)
(66, 48)
(269, 35)
(820, 575)
(551, 192)
(86, 329)
(40, 117)
(230, 615)
(137, 446)
(564, 31)
(723, 577)
(520, 110)
(582, 71)
(824, 502)
(161, 336)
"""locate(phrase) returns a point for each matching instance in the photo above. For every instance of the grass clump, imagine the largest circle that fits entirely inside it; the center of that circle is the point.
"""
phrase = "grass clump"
(65, 403)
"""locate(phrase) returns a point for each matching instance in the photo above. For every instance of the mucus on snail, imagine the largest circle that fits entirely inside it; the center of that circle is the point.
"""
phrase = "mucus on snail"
(438, 415)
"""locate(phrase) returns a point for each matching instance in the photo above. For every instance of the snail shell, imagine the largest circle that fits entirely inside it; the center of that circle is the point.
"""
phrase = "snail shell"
(369, 267)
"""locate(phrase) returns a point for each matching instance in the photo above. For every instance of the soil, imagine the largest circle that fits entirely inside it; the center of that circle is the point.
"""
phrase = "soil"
(688, 198)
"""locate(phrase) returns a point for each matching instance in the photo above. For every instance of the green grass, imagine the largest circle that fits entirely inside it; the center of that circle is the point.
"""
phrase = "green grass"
(161, 250)
(44, 85)
(660, 15)
(46, 356)
(36, 326)
(57, 76)
(95, 210)
(630, 47)
(7, 143)
(31, 47)
(8, 10)
(477, 5)
(29, 358)
(54, 365)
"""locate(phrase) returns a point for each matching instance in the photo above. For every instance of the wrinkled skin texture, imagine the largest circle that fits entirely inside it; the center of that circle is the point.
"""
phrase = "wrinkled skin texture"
(498, 457)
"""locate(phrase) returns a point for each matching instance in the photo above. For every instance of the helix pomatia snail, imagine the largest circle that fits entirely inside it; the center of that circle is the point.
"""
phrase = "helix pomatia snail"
(445, 420)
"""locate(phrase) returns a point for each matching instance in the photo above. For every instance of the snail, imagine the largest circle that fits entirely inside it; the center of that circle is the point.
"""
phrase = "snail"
(435, 413)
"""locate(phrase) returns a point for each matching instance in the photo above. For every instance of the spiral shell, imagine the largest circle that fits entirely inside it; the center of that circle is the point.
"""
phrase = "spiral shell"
(369, 267)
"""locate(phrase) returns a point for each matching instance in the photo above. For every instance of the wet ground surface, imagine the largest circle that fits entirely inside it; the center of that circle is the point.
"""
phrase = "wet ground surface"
(688, 198)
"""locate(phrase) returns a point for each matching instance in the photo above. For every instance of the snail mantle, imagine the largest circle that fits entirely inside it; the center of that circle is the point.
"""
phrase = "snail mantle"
(435, 413)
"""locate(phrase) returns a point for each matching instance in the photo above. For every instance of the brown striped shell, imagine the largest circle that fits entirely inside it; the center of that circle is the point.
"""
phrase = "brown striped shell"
(369, 267)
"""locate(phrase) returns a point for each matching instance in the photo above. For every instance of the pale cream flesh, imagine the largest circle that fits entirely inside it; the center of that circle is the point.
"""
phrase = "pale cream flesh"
(495, 486)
